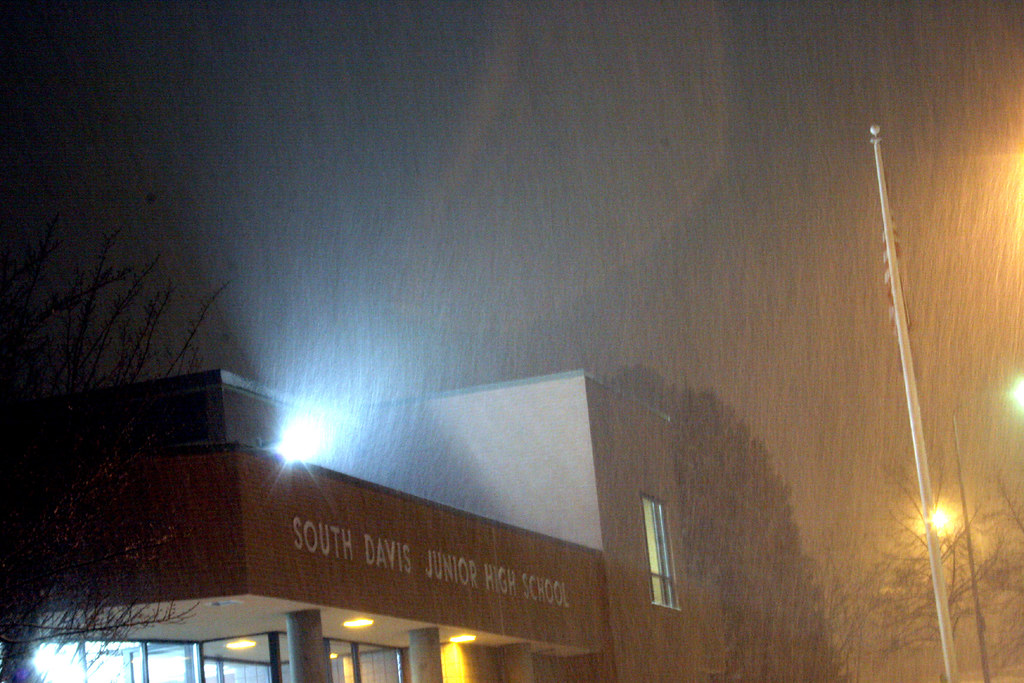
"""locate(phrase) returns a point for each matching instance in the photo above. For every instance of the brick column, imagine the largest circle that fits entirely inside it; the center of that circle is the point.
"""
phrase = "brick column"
(425, 656)
(306, 655)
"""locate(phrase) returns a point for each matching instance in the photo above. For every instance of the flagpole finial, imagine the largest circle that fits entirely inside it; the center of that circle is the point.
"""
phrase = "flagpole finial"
(875, 130)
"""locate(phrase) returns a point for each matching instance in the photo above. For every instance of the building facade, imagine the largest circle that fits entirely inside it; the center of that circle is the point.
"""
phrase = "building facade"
(511, 533)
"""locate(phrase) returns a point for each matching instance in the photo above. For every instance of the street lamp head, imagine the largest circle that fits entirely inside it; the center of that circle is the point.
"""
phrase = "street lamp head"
(1018, 393)
(942, 521)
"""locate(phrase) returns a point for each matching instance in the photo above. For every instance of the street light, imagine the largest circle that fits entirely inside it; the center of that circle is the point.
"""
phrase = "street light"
(979, 620)
(1017, 393)
(942, 521)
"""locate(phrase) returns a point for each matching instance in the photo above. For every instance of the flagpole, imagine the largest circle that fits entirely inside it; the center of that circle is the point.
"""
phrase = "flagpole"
(916, 430)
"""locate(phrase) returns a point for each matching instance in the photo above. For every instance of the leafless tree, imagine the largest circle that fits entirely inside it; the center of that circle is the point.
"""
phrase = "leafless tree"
(1009, 582)
(743, 544)
(886, 596)
(66, 333)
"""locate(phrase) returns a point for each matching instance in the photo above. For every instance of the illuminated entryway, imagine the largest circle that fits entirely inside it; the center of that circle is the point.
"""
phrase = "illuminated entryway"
(96, 662)
(247, 659)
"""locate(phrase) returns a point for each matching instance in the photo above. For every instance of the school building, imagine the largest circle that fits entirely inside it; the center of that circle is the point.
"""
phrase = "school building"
(525, 532)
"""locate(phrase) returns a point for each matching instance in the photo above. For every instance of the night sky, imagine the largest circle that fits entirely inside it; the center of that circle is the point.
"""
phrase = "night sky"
(406, 198)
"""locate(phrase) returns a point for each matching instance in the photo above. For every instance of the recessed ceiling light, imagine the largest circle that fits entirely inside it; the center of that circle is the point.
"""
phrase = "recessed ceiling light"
(462, 639)
(357, 623)
(334, 655)
(242, 644)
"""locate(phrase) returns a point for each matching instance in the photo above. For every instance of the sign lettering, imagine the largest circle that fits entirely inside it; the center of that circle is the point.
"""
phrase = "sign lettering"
(319, 537)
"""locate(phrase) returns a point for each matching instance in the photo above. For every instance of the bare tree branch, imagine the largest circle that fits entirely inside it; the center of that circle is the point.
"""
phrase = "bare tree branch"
(64, 333)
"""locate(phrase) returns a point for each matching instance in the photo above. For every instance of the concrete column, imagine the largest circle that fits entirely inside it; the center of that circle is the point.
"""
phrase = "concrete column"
(425, 656)
(517, 662)
(306, 655)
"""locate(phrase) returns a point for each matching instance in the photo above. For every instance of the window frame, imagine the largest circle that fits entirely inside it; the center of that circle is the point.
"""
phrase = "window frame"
(659, 558)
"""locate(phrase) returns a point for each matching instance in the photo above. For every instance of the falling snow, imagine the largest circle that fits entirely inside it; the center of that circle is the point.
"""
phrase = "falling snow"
(406, 198)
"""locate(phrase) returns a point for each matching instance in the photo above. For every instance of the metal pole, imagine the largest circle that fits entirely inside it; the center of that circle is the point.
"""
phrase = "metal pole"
(979, 620)
(916, 429)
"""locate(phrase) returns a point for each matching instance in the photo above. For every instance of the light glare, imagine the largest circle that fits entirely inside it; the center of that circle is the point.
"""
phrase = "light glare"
(357, 623)
(462, 639)
(1018, 393)
(942, 521)
(58, 663)
(303, 438)
(240, 644)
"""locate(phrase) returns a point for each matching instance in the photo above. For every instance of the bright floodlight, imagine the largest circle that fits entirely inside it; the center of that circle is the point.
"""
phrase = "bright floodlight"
(304, 437)
(315, 427)
(1018, 393)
